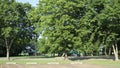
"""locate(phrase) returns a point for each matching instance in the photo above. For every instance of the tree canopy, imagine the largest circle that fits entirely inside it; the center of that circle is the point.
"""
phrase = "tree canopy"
(87, 26)
(82, 25)
(15, 26)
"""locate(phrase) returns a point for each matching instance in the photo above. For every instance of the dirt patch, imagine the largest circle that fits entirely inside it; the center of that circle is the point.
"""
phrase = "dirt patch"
(53, 66)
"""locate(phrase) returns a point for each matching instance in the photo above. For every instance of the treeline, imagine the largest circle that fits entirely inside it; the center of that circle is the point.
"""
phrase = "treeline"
(87, 26)
(91, 27)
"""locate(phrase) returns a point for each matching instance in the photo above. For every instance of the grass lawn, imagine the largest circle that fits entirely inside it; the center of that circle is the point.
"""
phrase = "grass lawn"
(37, 59)
(102, 62)
(46, 60)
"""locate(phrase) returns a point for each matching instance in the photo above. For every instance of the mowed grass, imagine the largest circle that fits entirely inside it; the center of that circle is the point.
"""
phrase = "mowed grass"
(32, 61)
(103, 62)
(37, 60)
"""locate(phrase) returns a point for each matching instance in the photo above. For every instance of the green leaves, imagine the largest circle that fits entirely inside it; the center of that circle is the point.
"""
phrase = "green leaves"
(7, 31)
(78, 24)
(15, 27)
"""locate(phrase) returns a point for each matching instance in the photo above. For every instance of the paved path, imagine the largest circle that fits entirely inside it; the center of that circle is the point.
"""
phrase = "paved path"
(53, 66)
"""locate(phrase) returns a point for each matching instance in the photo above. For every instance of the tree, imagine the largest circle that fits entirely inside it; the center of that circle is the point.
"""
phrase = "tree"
(112, 23)
(109, 25)
(61, 24)
(80, 24)
(14, 23)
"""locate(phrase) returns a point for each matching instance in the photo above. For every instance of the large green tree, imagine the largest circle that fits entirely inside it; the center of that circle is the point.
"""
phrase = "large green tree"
(83, 25)
(14, 23)
(109, 19)
(61, 24)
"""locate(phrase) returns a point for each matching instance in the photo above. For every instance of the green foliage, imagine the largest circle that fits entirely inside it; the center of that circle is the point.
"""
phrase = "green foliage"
(80, 24)
(15, 27)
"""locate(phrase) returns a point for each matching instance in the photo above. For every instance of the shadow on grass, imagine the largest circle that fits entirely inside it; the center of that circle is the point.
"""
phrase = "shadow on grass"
(92, 57)
(31, 57)
(40, 57)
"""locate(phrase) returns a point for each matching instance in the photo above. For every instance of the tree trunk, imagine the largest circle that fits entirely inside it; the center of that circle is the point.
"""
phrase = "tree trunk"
(91, 53)
(109, 52)
(65, 56)
(8, 53)
(115, 50)
(35, 50)
(8, 46)
(105, 52)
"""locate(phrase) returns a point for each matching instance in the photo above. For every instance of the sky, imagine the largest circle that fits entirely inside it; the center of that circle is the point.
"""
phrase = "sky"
(32, 2)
